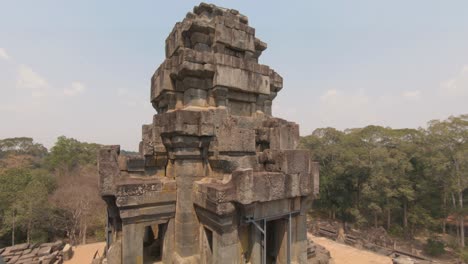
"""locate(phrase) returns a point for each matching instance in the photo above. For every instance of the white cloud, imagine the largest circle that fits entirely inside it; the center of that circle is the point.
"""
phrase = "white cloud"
(3, 54)
(458, 85)
(29, 79)
(330, 96)
(412, 94)
(76, 88)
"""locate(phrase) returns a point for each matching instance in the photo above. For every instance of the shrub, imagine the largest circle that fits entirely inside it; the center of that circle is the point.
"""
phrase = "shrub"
(100, 234)
(396, 231)
(434, 247)
(464, 255)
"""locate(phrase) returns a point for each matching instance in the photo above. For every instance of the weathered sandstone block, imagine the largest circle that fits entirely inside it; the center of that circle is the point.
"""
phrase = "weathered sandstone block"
(217, 176)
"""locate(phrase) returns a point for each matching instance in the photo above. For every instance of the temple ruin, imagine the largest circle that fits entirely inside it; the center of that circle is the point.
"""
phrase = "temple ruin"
(218, 179)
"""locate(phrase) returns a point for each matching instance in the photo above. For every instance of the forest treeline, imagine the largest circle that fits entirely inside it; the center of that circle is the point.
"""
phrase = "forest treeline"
(406, 180)
(48, 195)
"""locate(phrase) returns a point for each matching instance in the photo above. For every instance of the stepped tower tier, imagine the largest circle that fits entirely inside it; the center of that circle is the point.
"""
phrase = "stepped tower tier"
(217, 178)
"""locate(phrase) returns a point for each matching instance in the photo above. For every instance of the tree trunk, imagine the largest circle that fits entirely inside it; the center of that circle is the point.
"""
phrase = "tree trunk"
(405, 214)
(460, 203)
(85, 228)
(375, 219)
(462, 221)
(358, 202)
(80, 232)
(457, 218)
(444, 222)
(444, 226)
(388, 218)
(13, 230)
(28, 232)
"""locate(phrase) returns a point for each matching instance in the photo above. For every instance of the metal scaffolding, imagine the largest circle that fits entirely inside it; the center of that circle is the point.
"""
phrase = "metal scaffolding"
(263, 229)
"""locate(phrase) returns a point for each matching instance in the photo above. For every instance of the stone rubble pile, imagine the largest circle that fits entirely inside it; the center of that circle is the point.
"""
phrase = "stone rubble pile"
(32, 253)
(317, 254)
(378, 236)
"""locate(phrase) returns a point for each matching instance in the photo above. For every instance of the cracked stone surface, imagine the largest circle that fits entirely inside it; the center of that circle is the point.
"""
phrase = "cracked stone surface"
(213, 159)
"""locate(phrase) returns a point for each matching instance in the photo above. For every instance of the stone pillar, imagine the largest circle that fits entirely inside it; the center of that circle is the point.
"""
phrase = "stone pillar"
(299, 238)
(281, 239)
(226, 247)
(188, 164)
(132, 244)
(186, 222)
(168, 246)
(256, 256)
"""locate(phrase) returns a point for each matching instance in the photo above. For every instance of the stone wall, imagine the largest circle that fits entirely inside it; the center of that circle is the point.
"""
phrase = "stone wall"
(214, 165)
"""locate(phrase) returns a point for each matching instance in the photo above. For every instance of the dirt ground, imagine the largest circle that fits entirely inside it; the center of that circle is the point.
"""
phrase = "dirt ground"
(343, 254)
(83, 254)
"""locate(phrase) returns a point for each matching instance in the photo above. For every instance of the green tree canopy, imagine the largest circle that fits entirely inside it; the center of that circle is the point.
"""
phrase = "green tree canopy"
(68, 153)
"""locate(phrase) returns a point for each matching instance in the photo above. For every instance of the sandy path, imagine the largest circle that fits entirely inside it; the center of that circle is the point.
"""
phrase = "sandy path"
(83, 254)
(343, 254)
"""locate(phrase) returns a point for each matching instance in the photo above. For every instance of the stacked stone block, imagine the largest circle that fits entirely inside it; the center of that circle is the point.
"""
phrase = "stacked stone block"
(46, 253)
(213, 159)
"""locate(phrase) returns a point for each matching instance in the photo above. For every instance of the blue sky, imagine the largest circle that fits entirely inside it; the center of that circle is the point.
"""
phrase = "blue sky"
(83, 68)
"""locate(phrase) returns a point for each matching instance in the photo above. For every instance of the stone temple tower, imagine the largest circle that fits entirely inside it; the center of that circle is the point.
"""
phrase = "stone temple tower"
(217, 179)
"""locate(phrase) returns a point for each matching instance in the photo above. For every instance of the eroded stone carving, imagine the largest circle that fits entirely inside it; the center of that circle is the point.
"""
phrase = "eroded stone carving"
(218, 179)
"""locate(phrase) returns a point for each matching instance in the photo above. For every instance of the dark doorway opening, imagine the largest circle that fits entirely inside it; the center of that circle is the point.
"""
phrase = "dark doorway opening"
(275, 233)
(153, 240)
